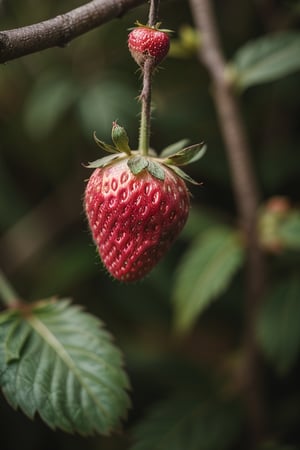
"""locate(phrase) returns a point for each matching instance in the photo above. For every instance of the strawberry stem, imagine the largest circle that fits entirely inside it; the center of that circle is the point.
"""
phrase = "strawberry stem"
(145, 97)
(153, 13)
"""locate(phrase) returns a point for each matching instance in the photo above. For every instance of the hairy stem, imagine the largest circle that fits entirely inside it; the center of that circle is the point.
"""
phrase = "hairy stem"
(247, 200)
(145, 97)
(8, 295)
(153, 13)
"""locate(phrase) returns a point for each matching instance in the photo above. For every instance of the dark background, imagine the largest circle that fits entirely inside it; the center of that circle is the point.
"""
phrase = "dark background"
(51, 102)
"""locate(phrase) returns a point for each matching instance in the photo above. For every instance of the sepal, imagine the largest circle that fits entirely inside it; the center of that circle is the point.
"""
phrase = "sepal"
(102, 162)
(106, 147)
(137, 164)
(187, 155)
(174, 148)
(172, 156)
(156, 170)
(155, 27)
(120, 138)
(120, 149)
(183, 175)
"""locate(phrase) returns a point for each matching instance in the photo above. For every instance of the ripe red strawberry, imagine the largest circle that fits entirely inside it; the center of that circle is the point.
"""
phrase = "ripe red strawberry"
(146, 41)
(136, 206)
(134, 218)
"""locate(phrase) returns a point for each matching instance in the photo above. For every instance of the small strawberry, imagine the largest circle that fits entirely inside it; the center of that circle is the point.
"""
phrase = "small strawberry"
(136, 205)
(145, 41)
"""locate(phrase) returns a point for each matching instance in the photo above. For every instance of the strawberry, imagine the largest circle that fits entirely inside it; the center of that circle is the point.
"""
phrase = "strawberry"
(145, 41)
(136, 205)
(134, 218)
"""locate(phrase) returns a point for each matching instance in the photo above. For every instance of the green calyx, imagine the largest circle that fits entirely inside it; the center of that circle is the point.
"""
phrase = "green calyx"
(139, 163)
(155, 27)
(173, 156)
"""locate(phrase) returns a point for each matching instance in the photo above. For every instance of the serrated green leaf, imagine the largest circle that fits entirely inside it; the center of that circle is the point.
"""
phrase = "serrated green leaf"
(278, 325)
(267, 59)
(106, 147)
(187, 155)
(102, 162)
(188, 422)
(137, 164)
(58, 361)
(204, 273)
(156, 170)
(15, 341)
(174, 148)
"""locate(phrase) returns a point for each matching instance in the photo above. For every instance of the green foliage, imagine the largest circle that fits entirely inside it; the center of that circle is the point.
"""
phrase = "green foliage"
(267, 59)
(58, 361)
(204, 273)
(188, 421)
(278, 325)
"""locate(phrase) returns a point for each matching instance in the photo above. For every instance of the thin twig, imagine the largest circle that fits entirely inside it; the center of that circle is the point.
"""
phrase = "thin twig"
(60, 30)
(247, 200)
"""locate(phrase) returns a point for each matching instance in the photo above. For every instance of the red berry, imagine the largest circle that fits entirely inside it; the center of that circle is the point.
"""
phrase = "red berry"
(134, 219)
(147, 41)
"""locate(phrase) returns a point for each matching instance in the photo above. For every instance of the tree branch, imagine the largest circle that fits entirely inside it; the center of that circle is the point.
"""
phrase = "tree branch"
(247, 200)
(60, 30)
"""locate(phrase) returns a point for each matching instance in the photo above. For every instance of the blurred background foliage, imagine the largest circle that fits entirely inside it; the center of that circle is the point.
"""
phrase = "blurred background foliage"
(51, 102)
